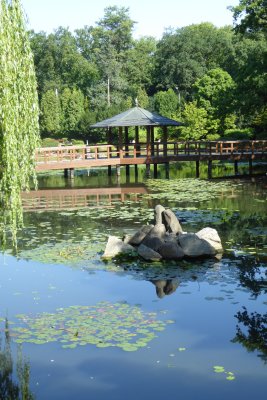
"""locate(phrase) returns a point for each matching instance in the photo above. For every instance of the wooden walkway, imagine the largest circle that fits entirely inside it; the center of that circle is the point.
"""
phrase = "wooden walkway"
(72, 157)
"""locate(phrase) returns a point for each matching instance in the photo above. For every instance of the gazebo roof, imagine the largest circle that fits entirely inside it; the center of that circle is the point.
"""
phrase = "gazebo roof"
(136, 116)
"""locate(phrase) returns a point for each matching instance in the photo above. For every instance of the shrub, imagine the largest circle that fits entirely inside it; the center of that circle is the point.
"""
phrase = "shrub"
(49, 142)
(77, 142)
(238, 134)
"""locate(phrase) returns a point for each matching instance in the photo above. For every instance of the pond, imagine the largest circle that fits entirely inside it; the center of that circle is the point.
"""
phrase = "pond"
(73, 325)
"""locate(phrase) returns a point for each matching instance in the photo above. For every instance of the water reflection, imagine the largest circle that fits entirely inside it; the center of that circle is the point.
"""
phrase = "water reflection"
(10, 387)
(255, 335)
(165, 287)
(75, 198)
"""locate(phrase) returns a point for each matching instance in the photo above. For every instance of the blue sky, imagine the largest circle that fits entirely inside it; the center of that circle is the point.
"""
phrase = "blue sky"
(152, 16)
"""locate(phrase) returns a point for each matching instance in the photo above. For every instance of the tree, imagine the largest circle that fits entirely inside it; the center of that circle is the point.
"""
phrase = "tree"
(166, 103)
(186, 54)
(195, 122)
(250, 16)
(139, 64)
(249, 72)
(214, 93)
(19, 129)
(50, 118)
(72, 106)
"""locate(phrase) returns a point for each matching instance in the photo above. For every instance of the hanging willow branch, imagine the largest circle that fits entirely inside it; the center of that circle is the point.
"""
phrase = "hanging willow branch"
(19, 128)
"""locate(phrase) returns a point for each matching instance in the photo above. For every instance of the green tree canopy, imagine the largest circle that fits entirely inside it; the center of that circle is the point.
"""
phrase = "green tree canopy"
(195, 122)
(50, 118)
(186, 54)
(72, 106)
(166, 103)
(250, 16)
(214, 93)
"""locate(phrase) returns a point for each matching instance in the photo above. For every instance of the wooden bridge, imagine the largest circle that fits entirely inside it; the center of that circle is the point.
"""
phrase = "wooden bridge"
(69, 158)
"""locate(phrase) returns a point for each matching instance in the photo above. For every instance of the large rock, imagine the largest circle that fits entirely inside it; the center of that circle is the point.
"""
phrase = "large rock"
(166, 240)
(171, 222)
(158, 214)
(211, 236)
(158, 230)
(148, 254)
(193, 246)
(154, 239)
(171, 251)
(153, 242)
(137, 238)
(116, 246)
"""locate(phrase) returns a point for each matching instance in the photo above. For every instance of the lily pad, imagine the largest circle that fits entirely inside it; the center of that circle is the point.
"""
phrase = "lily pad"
(104, 325)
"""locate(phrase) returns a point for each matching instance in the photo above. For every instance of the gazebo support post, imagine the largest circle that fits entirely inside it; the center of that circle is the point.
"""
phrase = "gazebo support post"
(165, 139)
(109, 136)
(109, 170)
(148, 141)
(127, 170)
(126, 141)
(137, 141)
(148, 150)
(152, 141)
(120, 142)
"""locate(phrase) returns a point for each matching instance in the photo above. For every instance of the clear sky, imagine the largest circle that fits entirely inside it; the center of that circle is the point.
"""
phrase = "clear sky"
(152, 16)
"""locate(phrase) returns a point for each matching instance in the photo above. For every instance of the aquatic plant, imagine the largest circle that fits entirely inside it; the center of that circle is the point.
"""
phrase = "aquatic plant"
(104, 325)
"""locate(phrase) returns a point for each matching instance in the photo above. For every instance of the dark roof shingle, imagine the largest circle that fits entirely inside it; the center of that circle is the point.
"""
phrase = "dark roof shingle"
(136, 116)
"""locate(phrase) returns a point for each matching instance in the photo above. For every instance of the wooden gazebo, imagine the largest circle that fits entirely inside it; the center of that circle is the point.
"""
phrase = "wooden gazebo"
(138, 117)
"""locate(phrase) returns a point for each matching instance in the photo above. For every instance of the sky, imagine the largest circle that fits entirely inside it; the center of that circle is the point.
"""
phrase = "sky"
(152, 16)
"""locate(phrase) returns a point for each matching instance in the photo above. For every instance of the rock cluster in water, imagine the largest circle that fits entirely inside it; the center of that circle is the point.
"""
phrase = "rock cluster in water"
(165, 240)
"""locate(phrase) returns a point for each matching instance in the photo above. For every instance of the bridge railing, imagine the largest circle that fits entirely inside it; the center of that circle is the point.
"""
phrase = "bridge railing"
(64, 154)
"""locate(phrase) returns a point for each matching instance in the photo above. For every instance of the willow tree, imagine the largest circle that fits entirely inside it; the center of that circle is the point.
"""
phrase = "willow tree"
(19, 129)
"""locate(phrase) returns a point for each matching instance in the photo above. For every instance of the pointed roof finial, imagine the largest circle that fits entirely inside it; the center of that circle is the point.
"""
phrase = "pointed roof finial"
(136, 102)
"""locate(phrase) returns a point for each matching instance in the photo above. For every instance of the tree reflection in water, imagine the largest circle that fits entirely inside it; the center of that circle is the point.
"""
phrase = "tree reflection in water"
(255, 337)
(9, 387)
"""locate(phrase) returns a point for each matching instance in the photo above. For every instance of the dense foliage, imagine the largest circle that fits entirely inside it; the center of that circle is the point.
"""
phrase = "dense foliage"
(19, 128)
(213, 79)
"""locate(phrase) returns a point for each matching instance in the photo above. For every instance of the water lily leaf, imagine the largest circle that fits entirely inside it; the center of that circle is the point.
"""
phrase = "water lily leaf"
(104, 325)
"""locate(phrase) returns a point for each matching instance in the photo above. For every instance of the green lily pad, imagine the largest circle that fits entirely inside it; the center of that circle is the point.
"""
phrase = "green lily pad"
(104, 325)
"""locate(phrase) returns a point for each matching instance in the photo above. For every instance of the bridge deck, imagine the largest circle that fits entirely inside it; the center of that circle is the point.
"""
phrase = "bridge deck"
(71, 157)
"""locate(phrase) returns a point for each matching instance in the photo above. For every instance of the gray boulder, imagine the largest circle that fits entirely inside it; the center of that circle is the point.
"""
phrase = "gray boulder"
(116, 246)
(158, 230)
(137, 238)
(158, 214)
(170, 250)
(193, 246)
(211, 236)
(154, 239)
(153, 242)
(148, 254)
(171, 222)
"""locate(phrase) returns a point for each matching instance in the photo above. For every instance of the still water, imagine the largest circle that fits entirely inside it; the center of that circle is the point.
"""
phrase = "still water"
(73, 326)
